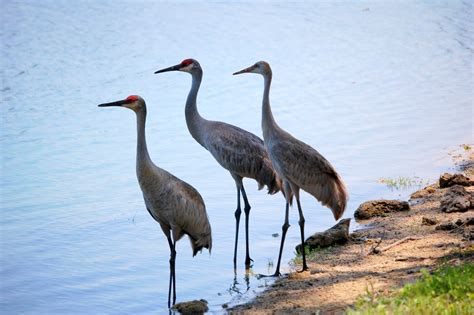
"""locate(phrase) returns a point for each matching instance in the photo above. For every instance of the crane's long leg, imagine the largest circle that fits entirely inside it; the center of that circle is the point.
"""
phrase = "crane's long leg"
(301, 223)
(172, 271)
(237, 221)
(284, 228)
(247, 213)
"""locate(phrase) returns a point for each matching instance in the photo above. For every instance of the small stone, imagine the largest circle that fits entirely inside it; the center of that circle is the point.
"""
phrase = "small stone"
(380, 208)
(446, 226)
(191, 307)
(423, 193)
(448, 180)
(429, 221)
(275, 234)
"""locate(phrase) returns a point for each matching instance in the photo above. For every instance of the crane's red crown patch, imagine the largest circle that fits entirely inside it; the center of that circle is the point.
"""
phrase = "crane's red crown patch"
(132, 98)
(186, 62)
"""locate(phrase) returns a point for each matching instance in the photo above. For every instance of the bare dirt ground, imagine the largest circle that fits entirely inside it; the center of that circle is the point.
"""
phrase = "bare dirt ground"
(339, 275)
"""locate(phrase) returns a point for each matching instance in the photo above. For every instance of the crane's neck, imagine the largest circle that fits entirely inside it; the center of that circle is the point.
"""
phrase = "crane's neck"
(143, 158)
(268, 122)
(194, 121)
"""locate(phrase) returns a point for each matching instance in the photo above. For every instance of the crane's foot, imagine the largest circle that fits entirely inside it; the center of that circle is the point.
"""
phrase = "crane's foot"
(305, 268)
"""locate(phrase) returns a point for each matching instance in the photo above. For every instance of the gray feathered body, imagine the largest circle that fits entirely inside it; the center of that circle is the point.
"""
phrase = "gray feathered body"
(242, 153)
(176, 205)
(300, 165)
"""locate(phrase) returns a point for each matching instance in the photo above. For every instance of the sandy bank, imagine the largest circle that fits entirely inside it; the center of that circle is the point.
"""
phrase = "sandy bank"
(406, 242)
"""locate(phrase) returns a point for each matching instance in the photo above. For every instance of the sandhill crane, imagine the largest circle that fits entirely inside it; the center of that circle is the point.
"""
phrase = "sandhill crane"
(298, 165)
(238, 151)
(173, 203)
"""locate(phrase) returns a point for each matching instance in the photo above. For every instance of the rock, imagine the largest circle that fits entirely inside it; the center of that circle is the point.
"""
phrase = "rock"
(429, 221)
(469, 221)
(425, 192)
(338, 234)
(456, 199)
(448, 180)
(446, 226)
(191, 307)
(465, 222)
(380, 208)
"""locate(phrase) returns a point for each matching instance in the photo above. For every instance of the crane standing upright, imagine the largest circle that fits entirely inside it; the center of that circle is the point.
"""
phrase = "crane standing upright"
(238, 151)
(298, 165)
(173, 203)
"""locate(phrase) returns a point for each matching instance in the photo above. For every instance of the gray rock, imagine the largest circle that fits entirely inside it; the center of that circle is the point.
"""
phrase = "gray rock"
(338, 234)
(380, 208)
(448, 180)
(446, 226)
(456, 199)
(191, 307)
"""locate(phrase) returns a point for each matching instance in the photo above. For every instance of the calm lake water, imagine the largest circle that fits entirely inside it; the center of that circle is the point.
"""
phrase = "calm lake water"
(382, 89)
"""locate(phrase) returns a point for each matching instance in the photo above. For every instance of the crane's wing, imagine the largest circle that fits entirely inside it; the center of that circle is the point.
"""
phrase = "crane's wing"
(243, 153)
(189, 213)
(176, 205)
(307, 168)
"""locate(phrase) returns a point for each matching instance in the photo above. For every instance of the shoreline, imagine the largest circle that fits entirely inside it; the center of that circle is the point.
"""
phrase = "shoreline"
(338, 275)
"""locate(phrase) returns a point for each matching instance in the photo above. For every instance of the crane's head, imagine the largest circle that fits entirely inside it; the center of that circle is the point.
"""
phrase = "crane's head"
(134, 102)
(187, 65)
(261, 67)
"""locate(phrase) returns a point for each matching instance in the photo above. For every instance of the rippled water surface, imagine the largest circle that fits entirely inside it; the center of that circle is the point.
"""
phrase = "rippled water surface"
(382, 89)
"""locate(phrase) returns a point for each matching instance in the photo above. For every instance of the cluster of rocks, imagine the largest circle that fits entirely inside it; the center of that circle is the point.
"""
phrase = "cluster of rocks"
(455, 199)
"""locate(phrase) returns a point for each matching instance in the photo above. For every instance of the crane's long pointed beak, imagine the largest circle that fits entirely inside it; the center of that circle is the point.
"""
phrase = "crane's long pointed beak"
(246, 70)
(173, 68)
(117, 103)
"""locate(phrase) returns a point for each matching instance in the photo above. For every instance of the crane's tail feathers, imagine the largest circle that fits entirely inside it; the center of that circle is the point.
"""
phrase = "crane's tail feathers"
(205, 241)
(268, 177)
(332, 194)
(338, 202)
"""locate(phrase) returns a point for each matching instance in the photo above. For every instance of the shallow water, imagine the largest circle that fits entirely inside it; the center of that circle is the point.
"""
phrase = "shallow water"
(382, 89)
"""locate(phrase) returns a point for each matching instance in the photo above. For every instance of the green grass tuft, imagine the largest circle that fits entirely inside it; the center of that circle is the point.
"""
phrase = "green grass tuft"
(401, 183)
(450, 290)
